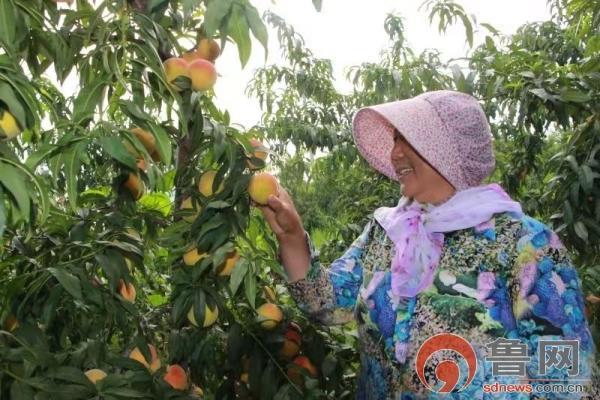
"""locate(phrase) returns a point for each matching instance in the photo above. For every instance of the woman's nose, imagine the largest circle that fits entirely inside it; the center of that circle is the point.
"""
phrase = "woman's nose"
(397, 153)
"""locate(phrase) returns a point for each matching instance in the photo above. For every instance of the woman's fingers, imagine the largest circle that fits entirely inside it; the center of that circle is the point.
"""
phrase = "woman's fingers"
(271, 218)
(275, 203)
(285, 196)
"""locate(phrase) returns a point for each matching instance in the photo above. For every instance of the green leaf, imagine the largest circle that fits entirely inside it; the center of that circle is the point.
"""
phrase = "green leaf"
(69, 281)
(237, 276)
(8, 96)
(125, 392)
(259, 30)
(113, 145)
(581, 230)
(250, 289)
(134, 111)
(318, 4)
(21, 391)
(72, 164)
(87, 100)
(42, 189)
(542, 93)
(42, 153)
(157, 300)
(574, 96)
(13, 182)
(468, 28)
(586, 178)
(239, 31)
(158, 202)
(163, 143)
(568, 212)
(215, 12)
(8, 29)
(2, 215)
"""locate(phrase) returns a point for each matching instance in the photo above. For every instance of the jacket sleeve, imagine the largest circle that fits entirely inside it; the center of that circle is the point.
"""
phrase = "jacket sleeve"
(328, 295)
(548, 307)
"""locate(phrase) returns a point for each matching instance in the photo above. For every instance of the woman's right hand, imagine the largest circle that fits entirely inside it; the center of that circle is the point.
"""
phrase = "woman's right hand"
(285, 222)
(283, 218)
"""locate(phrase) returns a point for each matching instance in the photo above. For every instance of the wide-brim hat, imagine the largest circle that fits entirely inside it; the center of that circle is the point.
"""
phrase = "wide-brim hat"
(448, 129)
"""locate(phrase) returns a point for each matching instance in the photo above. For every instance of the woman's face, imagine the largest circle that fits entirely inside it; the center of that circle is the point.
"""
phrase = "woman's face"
(420, 180)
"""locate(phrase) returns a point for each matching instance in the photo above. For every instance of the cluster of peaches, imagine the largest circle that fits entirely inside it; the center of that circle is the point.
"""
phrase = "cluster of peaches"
(197, 65)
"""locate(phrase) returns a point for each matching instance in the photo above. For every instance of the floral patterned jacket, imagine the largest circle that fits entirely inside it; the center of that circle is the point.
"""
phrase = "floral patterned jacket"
(509, 278)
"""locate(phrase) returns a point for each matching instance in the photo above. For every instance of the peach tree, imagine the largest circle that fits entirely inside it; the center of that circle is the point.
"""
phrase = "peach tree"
(134, 265)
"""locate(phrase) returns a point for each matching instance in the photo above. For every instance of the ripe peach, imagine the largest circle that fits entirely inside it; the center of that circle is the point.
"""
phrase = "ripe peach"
(176, 377)
(260, 151)
(154, 365)
(300, 363)
(127, 290)
(141, 164)
(193, 256)
(205, 184)
(188, 206)
(9, 127)
(135, 186)
(174, 68)
(203, 74)
(229, 264)
(146, 138)
(208, 49)
(11, 323)
(210, 316)
(304, 362)
(261, 186)
(269, 315)
(95, 375)
(289, 349)
(291, 344)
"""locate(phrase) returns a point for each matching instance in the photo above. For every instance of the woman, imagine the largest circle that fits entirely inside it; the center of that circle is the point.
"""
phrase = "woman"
(454, 256)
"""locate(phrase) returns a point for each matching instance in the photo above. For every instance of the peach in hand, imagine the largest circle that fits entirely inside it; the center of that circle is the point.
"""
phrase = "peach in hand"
(261, 186)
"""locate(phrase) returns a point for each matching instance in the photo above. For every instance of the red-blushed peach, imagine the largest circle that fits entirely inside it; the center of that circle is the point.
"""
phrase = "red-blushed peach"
(127, 291)
(176, 377)
(203, 74)
(294, 371)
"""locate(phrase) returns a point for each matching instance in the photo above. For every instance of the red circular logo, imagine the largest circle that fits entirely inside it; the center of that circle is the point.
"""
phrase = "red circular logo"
(447, 371)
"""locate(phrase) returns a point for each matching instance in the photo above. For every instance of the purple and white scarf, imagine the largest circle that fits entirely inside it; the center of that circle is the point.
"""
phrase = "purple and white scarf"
(418, 231)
